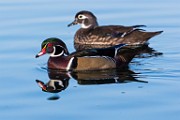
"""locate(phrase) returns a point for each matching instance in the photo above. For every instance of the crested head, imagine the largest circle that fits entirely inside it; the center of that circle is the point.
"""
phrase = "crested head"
(53, 46)
(86, 19)
(54, 41)
(52, 86)
(85, 13)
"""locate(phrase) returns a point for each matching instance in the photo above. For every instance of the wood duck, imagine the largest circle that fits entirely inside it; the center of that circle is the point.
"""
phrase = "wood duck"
(53, 86)
(90, 59)
(106, 76)
(58, 81)
(91, 33)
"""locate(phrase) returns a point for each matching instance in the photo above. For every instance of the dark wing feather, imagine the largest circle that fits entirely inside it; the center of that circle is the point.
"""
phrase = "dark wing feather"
(110, 51)
(88, 52)
(113, 31)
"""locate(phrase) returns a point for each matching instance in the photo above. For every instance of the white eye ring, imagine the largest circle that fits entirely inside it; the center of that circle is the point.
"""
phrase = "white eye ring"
(82, 17)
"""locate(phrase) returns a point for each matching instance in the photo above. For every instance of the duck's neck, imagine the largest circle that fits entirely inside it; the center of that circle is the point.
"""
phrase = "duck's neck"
(88, 24)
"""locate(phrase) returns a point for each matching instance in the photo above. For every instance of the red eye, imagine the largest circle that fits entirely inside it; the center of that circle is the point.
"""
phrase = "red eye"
(50, 45)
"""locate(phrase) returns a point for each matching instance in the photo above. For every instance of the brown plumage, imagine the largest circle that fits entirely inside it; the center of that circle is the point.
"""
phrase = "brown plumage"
(91, 33)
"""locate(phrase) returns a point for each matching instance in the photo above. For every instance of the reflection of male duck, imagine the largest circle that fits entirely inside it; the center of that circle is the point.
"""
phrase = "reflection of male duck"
(106, 77)
(60, 80)
(53, 86)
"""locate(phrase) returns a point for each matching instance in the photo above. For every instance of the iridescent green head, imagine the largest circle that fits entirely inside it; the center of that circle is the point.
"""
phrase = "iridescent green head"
(53, 46)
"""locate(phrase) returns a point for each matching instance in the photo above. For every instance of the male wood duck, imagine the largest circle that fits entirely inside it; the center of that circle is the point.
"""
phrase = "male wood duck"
(91, 33)
(90, 59)
(53, 86)
(58, 81)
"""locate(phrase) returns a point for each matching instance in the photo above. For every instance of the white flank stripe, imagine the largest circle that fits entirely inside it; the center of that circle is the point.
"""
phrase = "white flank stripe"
(116, 49)
(123, 34)
(69, 64)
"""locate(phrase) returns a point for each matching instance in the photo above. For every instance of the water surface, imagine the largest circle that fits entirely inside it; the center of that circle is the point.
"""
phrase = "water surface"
(153, 93)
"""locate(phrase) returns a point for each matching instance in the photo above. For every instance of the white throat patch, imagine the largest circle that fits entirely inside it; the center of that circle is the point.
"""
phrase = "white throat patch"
(85, 26)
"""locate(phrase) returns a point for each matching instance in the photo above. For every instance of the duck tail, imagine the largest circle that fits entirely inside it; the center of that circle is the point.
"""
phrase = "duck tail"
(155, 33)
(149, 35)
(141, 37)
(125, 55)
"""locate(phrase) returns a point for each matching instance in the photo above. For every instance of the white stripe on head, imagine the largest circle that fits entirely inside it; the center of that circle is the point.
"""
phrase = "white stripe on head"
(53, 53)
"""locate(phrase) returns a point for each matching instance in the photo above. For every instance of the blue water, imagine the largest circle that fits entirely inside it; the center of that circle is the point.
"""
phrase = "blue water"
(154, 94)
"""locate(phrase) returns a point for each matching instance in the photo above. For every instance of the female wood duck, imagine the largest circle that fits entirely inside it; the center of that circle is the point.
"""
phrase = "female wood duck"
(91, 33)
(90, 59)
